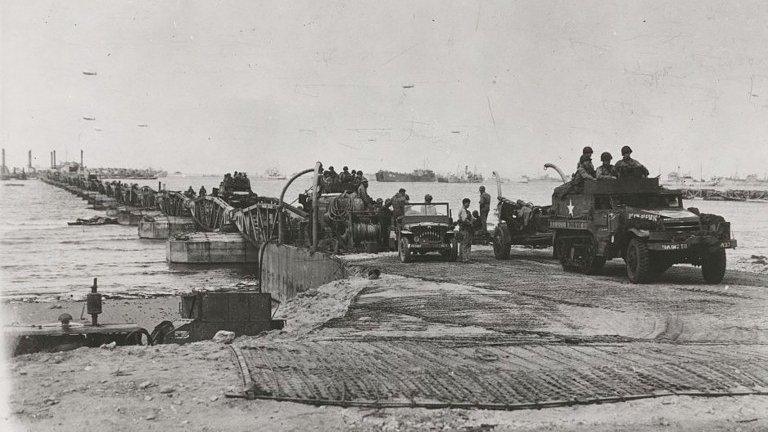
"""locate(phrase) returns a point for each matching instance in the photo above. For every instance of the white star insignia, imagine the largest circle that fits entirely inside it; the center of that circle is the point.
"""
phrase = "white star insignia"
(570, 207)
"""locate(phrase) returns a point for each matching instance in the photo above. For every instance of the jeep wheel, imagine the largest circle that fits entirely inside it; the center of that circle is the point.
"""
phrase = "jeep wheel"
(402, 250)
(591, 261)
(713, 267)
(638, 261)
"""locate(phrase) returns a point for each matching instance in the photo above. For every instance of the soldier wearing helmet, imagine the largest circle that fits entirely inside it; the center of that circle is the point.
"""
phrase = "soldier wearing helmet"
(628, 168)
(429, 209)
(485, 207)
(606, 170)
(586, 153)
(585, 170)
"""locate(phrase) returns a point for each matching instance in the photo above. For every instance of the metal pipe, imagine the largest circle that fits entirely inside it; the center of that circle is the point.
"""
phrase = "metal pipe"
(29, 159)
(282, 202)
(315, 207)
(498, 184)
(559, 171)
(54, 158)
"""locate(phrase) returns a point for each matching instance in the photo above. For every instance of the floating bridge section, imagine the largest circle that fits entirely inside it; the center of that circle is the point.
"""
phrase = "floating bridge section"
(272, 233)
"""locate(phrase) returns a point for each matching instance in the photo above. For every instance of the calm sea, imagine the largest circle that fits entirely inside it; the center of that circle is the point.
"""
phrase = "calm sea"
(42, 258)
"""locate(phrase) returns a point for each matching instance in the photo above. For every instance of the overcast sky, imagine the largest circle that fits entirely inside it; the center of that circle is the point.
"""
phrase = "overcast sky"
(507, 86)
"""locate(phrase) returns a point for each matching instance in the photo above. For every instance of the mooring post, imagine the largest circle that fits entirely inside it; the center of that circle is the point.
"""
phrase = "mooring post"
(315, 211)
(93, 304)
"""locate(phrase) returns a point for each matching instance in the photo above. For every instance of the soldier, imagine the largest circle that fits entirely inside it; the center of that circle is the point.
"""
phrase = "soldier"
(385, 222)
(585, 170)
(628, 168)
(606, 170)
(362, 193)
(202, 192)
(465, 231)
(332, 173)
(586, 151)
(344, 179)
(190, 193)
(399, 200)
(485, 207)
(429, 209)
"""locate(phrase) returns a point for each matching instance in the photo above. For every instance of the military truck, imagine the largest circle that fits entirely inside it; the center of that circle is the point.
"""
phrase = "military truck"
(426, 227)
(639, 221)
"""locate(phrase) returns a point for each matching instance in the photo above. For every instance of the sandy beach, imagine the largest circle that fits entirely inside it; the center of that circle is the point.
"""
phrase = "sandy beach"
(172, 387)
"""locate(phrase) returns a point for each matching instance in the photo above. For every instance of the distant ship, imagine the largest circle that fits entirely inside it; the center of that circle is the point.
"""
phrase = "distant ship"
(678, 181)
(466, 177)
(417, 176)
(542, 178)
(750, 180)
(273, 174)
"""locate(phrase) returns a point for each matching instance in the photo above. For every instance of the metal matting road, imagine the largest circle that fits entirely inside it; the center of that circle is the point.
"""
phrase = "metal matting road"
(438, 374)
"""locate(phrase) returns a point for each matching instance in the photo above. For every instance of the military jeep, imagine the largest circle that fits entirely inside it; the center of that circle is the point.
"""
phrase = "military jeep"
(639, 221)
(425, 228)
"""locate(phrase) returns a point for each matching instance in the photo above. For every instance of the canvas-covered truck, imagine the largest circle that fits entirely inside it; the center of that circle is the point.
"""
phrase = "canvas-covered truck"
(637, 220)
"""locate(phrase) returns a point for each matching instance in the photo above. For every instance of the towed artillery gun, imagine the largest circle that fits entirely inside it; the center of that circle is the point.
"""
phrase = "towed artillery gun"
(519, 224)
(639, 221)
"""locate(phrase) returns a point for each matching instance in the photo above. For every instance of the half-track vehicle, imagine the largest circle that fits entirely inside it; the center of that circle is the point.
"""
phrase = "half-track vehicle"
(424, 228)
(639, 221)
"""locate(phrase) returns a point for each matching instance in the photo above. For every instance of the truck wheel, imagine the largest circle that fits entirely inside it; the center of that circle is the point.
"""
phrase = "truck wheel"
(591, 262)
(500, 251)
(402, 250)
(638, 261)
(713, 267)
(563, 252)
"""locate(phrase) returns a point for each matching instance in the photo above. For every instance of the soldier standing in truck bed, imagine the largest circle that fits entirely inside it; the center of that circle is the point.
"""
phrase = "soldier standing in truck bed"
(628, 168)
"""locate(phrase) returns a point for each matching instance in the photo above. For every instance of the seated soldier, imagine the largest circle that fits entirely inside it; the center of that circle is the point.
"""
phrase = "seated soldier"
(628, 168)
(429, 209)
(606, 170)
(585, 169)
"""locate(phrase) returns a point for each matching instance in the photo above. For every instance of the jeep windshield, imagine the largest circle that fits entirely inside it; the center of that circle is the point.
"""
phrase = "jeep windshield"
(647, 201)
(426, 210)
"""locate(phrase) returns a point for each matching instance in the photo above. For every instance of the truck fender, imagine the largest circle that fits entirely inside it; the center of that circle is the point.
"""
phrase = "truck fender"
(640, 232)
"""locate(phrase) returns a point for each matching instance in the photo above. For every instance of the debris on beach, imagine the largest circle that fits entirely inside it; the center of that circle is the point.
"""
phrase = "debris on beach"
(96, 220)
